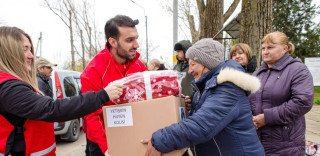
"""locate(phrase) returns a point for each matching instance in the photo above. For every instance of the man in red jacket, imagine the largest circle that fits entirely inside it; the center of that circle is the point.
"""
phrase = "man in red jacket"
(117, 60)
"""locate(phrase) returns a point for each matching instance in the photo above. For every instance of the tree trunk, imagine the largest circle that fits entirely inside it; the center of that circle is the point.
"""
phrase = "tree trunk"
(83, 52)
(212, 19)
(90, 44)
(73, 64)
(230, 10)
(255, 24)
(194, 33)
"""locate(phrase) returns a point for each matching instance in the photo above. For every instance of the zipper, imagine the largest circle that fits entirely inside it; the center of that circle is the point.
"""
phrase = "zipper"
(217, 146)
(125, 70)
(122, 75)
(196, 87)
(105, 71)
(263, 82)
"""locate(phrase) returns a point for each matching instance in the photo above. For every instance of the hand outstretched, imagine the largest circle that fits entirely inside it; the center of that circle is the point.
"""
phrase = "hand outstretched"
(114, 91)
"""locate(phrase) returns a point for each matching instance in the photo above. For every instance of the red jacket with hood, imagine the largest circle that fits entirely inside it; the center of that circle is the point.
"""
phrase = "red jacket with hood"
(102, 70)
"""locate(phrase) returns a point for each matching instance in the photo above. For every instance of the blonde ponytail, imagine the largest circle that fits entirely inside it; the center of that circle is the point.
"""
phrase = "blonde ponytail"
(290, 48)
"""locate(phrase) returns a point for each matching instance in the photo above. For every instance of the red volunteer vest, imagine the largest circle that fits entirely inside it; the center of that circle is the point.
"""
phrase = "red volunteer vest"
(38, 135)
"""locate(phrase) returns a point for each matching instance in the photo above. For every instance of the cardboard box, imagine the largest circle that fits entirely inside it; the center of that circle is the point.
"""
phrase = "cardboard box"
(127, 124)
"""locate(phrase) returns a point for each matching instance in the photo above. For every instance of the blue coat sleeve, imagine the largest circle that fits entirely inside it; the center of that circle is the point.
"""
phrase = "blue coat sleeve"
(219, 108)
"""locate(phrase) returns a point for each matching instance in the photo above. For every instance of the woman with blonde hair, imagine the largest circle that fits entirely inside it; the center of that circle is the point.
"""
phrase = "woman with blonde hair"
(242, 53)
(285, 96)
(25, 115)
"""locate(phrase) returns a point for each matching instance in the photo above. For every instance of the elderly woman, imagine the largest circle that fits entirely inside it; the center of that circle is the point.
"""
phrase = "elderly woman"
(25, 115)
(242, 53)
(285, 96)
(220, 122)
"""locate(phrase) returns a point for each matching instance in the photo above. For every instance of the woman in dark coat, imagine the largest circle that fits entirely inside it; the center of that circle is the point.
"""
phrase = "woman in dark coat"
(242, 53)
(285, 96)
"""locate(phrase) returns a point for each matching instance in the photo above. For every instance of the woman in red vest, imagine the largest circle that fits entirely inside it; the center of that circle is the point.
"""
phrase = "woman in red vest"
(26, 116)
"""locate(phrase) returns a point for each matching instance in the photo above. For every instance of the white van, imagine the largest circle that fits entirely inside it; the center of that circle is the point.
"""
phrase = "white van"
(66, 83)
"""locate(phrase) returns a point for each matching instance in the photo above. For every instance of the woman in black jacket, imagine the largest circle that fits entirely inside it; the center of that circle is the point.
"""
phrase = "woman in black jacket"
(242, 53)
(25, 114)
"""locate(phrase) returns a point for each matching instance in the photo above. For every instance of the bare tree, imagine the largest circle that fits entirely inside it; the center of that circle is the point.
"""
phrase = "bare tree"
(64, 9)
(256, 22)
(78, 16)
(85, 21)
(208, 13)
(151, 46)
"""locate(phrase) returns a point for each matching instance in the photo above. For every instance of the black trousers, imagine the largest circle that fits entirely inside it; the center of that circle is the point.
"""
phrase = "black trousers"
(93, 149)
(18, 153)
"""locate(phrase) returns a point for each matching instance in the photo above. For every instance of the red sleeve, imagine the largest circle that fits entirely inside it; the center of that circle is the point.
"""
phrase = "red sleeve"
(93, 123)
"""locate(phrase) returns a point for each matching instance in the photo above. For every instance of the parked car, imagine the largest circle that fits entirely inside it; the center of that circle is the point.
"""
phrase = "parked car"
(65, 84)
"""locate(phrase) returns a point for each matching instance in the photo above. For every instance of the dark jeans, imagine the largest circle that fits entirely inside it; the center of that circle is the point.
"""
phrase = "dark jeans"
(18, 153)
(93, 149)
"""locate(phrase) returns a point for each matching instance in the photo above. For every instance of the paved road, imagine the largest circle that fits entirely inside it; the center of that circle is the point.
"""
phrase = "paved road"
(72, 148)
(312, 134)
(313, 124)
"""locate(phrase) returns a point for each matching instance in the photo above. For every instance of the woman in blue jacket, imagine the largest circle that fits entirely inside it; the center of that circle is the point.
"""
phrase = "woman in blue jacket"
(220, 121)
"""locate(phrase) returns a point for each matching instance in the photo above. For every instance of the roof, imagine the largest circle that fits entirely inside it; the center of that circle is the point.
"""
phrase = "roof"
(232, 28)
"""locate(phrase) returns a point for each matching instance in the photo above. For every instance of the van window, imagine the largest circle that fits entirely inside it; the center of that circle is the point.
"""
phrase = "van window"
(78, 83)
(69, 87)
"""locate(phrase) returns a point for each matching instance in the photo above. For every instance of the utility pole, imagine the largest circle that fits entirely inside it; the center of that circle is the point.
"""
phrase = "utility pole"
(175, 27)
(39, 43)
(146, 20)
(147, 46)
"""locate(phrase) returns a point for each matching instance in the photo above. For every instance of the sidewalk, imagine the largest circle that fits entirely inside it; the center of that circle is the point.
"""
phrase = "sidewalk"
(313, 124)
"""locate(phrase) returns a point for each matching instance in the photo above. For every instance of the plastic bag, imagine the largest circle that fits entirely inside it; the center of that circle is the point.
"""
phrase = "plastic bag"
(149, 85)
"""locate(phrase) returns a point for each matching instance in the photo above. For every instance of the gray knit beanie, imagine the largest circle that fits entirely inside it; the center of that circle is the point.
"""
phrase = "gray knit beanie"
(208, 52)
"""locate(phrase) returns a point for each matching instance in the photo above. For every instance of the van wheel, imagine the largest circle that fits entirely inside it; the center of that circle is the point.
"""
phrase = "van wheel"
(73, 131)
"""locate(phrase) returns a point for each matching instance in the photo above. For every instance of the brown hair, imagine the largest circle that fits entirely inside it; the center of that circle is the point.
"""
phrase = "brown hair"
(12, 57)
(244, 47)
(282, 38)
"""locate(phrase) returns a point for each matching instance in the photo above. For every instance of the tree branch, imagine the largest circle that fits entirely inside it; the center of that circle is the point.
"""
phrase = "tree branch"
(230, 10)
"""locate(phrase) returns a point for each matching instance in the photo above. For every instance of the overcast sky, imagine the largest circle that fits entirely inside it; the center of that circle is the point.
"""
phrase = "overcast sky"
(33, 18)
